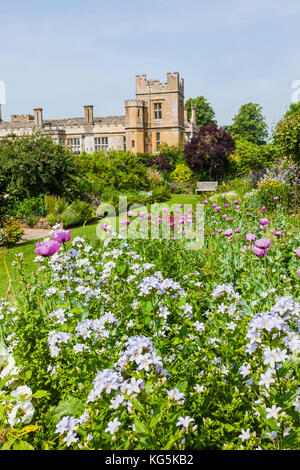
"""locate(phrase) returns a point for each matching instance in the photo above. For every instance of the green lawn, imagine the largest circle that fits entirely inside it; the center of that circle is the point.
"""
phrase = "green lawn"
(7, 256)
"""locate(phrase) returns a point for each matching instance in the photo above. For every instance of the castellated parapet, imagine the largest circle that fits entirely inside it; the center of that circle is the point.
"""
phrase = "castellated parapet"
(173, 84)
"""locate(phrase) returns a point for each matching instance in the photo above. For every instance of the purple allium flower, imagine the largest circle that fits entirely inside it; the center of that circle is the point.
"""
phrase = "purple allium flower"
(275, 198)
(238, 230)
(263, 243)
(263, 208)
(214, 233)
(235, 202)
(250, 237)
(204, 202)
(226, 205)
(298, 252)
(228, 232)
(277, 233)
(61, 236)
(47, 248)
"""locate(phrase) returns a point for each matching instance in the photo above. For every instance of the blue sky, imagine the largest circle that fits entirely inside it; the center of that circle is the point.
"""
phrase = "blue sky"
(61, 55)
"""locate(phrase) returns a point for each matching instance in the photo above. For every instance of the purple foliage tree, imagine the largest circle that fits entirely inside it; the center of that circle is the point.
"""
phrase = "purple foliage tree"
(208, 151)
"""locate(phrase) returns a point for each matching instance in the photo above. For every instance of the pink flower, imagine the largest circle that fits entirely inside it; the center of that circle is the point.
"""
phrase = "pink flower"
(204, 202)
(61, 236)
(226, 205)
(258, 251)
(219, 230)
(246, 247)
(104, 227)
(275, 198)
(228, 232)
(250, 237)
(238, 230)
(263, 243)
(224, 216)
(47, 248)
(235, 202)
(263, 208)
(298, 272)
(214, 233)
(264, 221)
(277, 233)
(263, 227)
(298, 252)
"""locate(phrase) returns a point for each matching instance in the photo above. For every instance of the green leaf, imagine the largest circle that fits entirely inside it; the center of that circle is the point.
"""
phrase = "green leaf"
(40, 394)
(22, 445)
(69, 407)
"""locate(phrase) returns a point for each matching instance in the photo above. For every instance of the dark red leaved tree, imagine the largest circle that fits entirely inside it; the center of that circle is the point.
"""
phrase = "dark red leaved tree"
(208, 151)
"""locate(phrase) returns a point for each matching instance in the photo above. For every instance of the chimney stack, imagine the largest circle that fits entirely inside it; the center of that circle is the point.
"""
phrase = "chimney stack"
(193, 115)
(38, 117)
(89, 114)
(185, 114)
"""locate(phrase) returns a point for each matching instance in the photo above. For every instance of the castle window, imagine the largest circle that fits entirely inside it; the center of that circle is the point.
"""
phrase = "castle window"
(157, 111)
(157, 141)
(101, 144)
(132, 144)
(74, 144)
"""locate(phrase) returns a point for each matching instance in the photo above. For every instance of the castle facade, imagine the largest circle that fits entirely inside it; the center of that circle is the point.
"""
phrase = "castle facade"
(156, 115)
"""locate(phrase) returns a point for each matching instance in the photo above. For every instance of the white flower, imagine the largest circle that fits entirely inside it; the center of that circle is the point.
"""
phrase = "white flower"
(273, 412)
(245, 435)
(177, 396)
(22, 412)
(245, 369)
(113, 426)
(22, 391)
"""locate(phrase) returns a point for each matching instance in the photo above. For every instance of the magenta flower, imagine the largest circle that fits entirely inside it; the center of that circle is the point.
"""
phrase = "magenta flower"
(263, 208)
(249, 213)
(238, 230)
(275, 198)
(204, 202)
(219, 230)
(263, 243)
(61, 236)
(258, 251)
(277, 233)
(264, 221)
(226, 205)
(224, 216)
(228, 232)
(213, 234)
(47, 248)
(246, 247)
(104, 227)
(235, 202)
(250, 237)
(298, 252)
(262, 227)
(298, 272)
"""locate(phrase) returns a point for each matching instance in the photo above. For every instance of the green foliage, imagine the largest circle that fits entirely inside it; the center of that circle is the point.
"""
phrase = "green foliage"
(249, 156)
(286, 136)
(173, 153)
(205, 114)
(249, 124)
(31, 209)
(34, 165)
(10, 232)
(117, 169)
(182, 173)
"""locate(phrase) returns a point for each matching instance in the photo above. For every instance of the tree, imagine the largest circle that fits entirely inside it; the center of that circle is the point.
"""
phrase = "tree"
(33, 165)
(205, 114)
(250, 124)
(208, 151)
(286, 135)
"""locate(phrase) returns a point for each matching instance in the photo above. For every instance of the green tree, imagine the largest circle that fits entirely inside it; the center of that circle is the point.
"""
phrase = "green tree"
(249, 124)
(33, 165)
(205, 114)
(286, 135)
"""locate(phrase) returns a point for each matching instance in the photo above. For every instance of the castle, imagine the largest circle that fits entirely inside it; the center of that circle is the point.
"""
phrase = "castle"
(156, 115)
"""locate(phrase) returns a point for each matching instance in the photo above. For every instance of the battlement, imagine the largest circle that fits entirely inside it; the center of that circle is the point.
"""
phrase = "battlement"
(134, 103)
(173, 83)
(21, 118)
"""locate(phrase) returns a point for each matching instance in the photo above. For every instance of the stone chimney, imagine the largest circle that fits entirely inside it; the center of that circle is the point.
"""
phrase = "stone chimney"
(193, 115)
(89, 114)
(38, 117)
(185, 114)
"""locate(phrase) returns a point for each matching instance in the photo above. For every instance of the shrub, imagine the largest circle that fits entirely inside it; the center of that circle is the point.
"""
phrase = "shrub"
(10, 232)
(249, 156)
(31, 209)
(34, 165)
(160, 163)
(182, 173)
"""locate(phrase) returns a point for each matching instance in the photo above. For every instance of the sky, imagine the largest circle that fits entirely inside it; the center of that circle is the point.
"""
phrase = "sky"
(62, 55)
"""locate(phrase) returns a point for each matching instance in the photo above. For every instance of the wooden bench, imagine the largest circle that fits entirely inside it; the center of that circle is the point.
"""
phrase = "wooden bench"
(206, 186)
